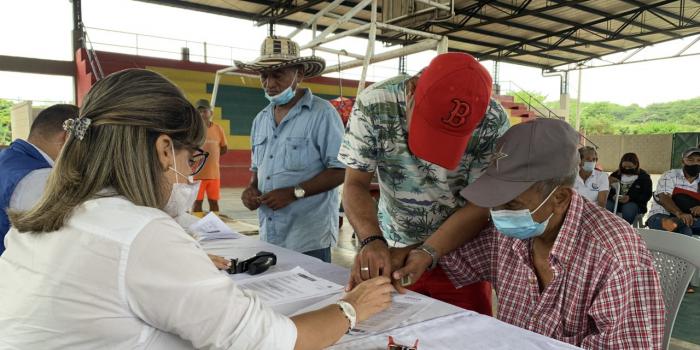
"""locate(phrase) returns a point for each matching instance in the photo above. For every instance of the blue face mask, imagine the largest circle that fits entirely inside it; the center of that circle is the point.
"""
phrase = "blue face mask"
(519, 223)
(588, 166)
(285, 96)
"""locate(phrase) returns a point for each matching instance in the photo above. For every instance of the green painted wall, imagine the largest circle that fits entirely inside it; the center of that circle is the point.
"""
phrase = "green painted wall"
(240, 105)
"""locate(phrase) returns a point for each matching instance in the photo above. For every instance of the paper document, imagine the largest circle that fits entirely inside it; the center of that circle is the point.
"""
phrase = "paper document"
(403, 306)
(288, 286)
(211, 227)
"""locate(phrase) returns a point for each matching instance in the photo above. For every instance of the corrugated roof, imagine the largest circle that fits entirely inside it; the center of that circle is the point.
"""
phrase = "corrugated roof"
(537, 33)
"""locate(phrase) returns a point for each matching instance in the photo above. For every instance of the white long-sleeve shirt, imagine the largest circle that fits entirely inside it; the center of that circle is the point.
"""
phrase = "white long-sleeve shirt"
(120, 276)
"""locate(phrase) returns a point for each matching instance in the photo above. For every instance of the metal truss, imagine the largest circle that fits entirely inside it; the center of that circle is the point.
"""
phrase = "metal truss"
(627, 59)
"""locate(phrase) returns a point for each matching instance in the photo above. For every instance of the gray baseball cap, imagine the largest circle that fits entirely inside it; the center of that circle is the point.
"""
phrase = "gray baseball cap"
(690, 151)
(529, 152)
(203, 104)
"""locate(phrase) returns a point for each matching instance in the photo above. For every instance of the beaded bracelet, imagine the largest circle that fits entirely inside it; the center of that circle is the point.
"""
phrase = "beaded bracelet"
(370, 239)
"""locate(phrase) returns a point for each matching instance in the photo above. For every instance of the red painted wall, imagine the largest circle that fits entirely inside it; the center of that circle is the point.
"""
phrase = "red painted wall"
(235, 163)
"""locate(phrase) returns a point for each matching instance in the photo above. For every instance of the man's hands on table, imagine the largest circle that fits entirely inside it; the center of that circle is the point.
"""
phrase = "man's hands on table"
(378, 259)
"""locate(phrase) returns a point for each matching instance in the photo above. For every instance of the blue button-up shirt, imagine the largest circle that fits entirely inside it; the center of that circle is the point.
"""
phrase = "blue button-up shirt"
(304, 144)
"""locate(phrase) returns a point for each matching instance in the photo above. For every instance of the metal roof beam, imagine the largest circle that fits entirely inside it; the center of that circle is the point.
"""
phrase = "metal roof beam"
(275, 17)
(519, 13)
(604, 14)
(588, 24)
(568, 22)
(488, 44)
(472, 11)
(627, 37)
(505, 21)
(509, 60)
(666, 13)
(200, 7)
(517, 39)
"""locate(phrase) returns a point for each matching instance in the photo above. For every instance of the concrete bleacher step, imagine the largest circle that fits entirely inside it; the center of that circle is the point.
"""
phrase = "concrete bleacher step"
(505, 98)
(517, 111)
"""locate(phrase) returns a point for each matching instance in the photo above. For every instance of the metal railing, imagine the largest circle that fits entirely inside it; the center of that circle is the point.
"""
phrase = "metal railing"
(164, 47)
(198, 51)
(534, 104)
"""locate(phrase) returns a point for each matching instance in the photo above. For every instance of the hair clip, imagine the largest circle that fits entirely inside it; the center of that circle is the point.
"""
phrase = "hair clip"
(77, 126)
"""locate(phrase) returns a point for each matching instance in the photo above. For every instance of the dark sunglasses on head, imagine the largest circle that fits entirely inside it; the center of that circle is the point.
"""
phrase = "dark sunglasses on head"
(197, 161)
(255, 265)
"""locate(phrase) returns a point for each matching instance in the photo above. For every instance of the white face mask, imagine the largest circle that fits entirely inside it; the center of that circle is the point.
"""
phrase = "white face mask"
(183, 195)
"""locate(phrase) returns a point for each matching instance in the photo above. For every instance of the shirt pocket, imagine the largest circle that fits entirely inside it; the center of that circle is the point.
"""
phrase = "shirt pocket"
(258, 148)
(296, 153)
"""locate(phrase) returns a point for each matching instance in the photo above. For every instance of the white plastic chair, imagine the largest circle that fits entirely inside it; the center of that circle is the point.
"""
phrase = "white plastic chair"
(676, 259)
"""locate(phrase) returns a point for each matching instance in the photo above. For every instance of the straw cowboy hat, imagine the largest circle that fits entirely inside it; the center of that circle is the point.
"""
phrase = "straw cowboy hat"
(279, 52)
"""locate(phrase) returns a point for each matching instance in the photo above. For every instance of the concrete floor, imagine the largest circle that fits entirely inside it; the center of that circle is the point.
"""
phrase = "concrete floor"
(684, 336)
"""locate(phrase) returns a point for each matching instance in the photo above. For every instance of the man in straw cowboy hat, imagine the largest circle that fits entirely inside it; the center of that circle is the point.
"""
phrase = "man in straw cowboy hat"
(295, 143)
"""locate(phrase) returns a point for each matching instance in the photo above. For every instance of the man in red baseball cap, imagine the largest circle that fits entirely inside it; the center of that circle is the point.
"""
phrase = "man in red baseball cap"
(450, 100)
(426, 137)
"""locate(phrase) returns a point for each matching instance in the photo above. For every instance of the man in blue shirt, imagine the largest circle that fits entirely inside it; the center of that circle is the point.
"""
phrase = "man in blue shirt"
(25, 165)
(295, 143)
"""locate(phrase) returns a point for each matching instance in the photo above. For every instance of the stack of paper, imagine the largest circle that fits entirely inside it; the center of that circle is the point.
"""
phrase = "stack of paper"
(288, 287)
(403, 306)
(211, 227)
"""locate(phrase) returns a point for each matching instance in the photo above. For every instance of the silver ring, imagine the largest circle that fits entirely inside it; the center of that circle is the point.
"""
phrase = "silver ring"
(365, 269)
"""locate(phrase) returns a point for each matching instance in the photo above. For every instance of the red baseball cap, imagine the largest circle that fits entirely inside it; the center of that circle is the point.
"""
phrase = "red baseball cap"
(450, 100)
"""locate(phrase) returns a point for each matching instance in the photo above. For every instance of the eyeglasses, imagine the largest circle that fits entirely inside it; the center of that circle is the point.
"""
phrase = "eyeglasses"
(393, 346)
(197, 161)
(260, 263)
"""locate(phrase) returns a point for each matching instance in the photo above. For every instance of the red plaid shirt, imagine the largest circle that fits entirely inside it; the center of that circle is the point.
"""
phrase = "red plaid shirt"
(605, 293)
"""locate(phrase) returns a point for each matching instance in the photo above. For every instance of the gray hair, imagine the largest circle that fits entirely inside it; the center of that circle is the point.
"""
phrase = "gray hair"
(545, 187)
(586, 150)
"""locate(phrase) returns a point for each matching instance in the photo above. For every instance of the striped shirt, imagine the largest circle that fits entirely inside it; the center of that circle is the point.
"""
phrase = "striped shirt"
(667, 182)
(604, 294)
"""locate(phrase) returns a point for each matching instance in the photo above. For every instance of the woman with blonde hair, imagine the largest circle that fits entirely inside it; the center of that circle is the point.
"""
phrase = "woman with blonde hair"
(100, 263)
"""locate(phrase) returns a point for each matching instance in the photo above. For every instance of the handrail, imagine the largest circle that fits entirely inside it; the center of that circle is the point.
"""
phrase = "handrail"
(550, 113)
(201, 48)
(168, 38)
(529, 102)
(92, 57)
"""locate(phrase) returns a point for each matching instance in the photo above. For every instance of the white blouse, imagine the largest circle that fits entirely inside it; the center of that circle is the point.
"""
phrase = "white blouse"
(597, 182)
(120, 276)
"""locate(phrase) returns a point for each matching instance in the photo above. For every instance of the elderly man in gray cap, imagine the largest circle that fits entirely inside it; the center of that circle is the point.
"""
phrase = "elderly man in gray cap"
(561, 266)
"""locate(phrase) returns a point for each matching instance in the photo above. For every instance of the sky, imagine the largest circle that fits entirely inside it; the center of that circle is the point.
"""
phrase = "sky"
(162, 28)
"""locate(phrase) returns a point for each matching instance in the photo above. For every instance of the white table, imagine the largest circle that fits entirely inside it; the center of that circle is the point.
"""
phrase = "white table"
(441, 326)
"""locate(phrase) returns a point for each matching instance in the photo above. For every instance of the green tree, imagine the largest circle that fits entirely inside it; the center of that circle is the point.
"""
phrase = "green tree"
(5, 130)
(528, 97)
(658, 118)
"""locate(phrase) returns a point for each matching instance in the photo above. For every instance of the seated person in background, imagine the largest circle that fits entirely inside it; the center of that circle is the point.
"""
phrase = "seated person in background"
(25, 165)
(99, 262)
(671, 211)
(635, 188)
(561, 266)
(591, 183)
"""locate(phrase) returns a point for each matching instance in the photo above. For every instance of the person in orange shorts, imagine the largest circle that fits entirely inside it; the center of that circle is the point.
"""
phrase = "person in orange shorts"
(210, 176)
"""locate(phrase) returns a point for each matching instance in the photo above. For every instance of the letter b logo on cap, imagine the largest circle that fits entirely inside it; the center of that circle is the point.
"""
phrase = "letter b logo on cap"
(458, 115)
